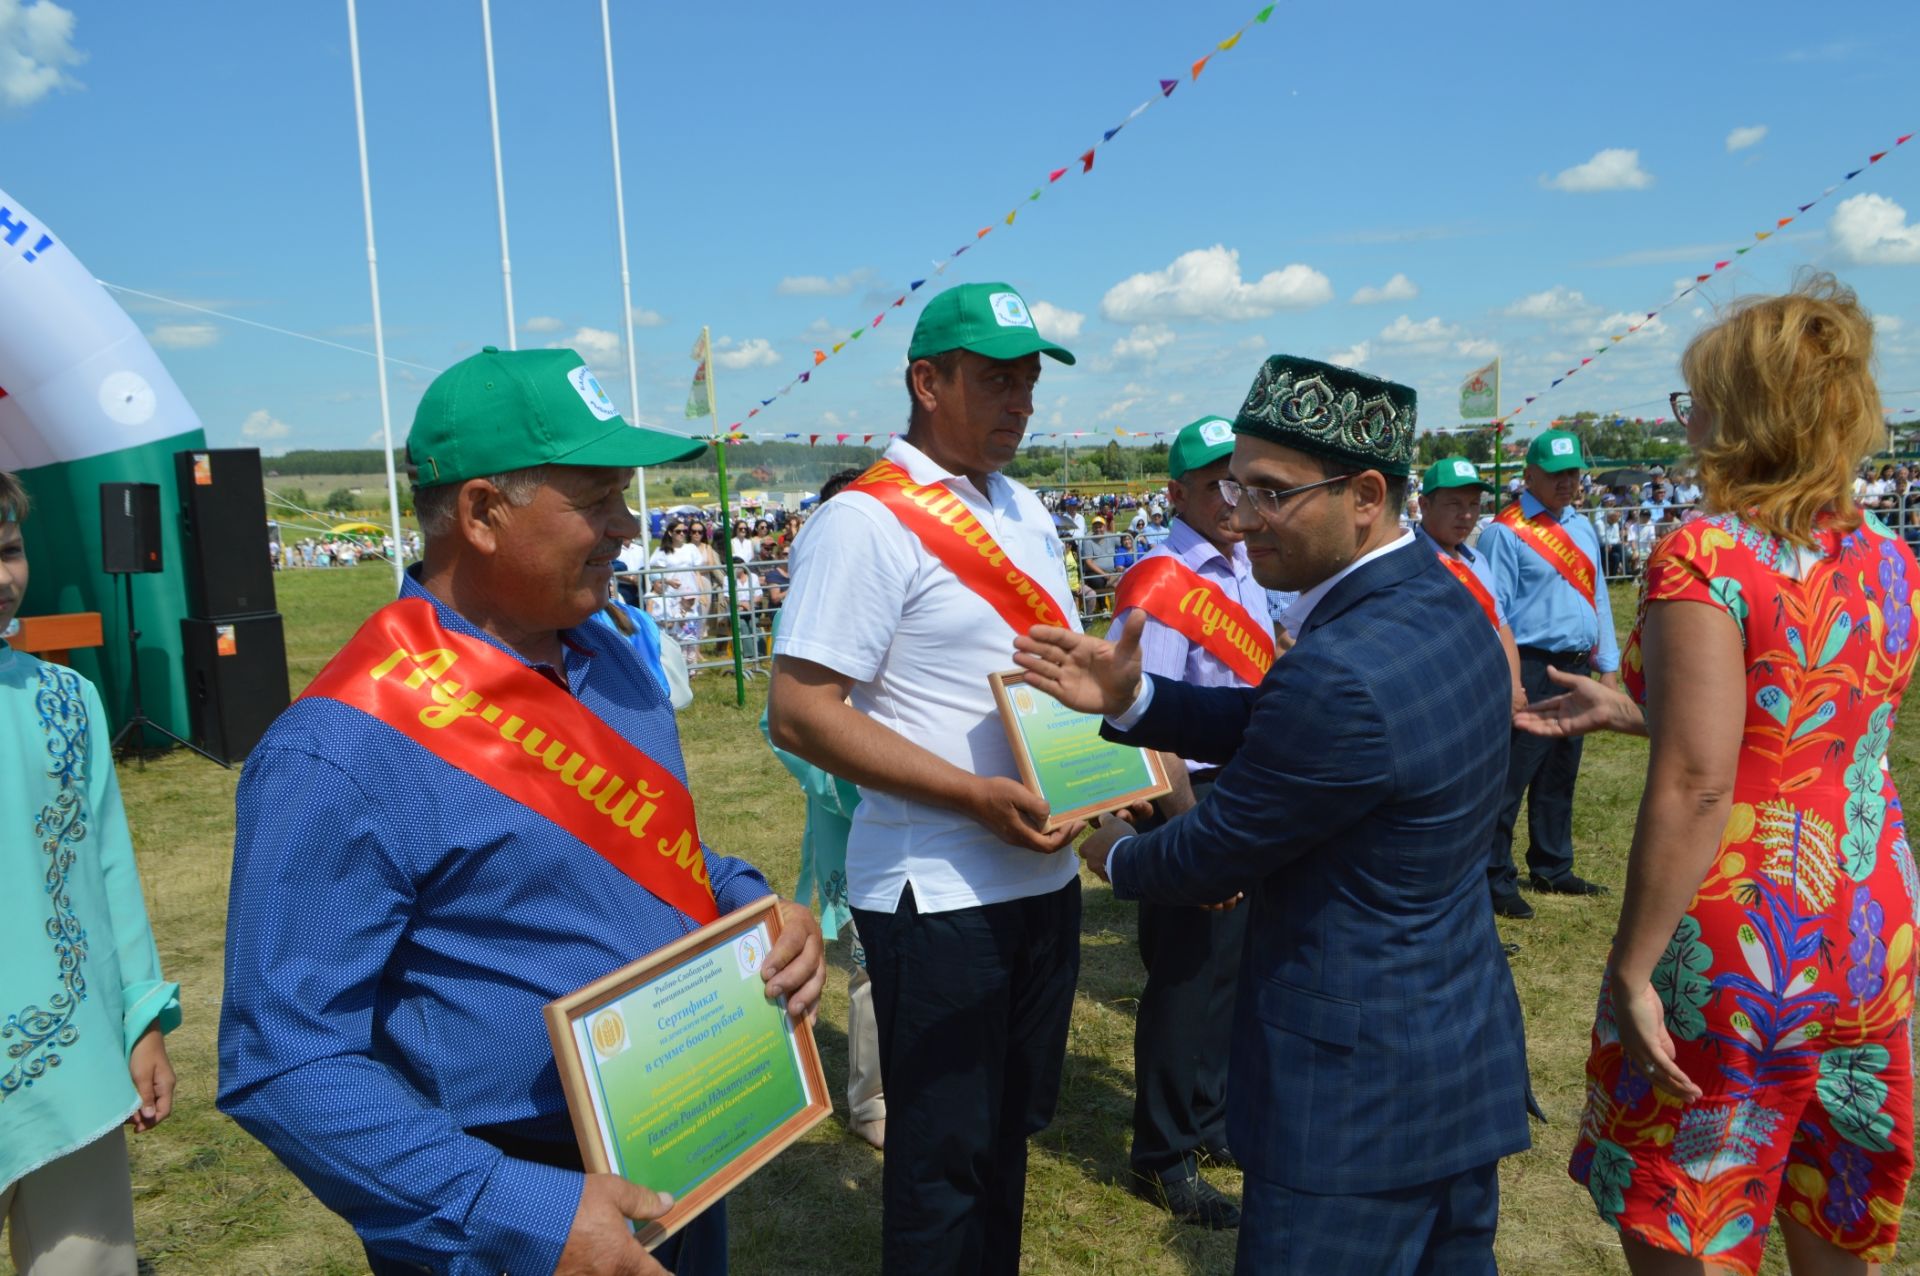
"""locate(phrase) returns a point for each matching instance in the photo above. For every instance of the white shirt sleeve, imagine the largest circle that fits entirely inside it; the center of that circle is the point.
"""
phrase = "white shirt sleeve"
(852, 570)
(1137, 710)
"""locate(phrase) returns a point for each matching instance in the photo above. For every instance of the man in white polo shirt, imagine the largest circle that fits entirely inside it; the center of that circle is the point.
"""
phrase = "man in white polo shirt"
(907, 592)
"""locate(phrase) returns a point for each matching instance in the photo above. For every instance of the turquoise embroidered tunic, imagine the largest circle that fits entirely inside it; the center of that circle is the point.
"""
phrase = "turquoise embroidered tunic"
(79, 974)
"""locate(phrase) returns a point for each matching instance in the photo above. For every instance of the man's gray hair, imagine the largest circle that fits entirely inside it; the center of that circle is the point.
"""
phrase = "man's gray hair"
(436, 507)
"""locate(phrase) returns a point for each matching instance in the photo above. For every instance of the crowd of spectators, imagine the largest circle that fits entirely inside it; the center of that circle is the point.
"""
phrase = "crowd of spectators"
(337, 551)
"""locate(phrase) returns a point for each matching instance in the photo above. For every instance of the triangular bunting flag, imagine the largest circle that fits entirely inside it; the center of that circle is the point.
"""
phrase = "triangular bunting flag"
(866, 438)
(982, 233)
(753, 414)
(1086, 161)
(1034, 196)
(856, 334)
(962, 248)
(1056, 174)
(837, 346)
(1855, 173)
(1108, 135)
(882, 315)
(1759, 234)
(1738, 252)
(1134, 114)
(1621, 337)
(1721, 265)
(803, 377)
(1901, 141)
(1805, 207)
(1700, 279)
(1230, 41)
(1652, 313)
(819, 357)
(1875, 159)
(812, 439)
(1168, 86)
(1010, 213)
(1264, 14)
(913, 287)
(1530, 399)
(1556, 381)
(839, 438)
(1782, 222)
(1199, 66)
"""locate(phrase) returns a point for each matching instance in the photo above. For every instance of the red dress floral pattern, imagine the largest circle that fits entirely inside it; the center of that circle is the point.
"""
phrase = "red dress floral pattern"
(1789, 983)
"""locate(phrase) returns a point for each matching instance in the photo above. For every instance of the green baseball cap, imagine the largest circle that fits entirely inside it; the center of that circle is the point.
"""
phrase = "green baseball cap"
(1200, 444)
(1556, 450)
(508, 410)
(988, 319)
(1453, 471)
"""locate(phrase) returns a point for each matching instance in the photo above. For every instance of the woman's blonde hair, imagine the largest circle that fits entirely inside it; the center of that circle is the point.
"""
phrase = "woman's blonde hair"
(1787, 383)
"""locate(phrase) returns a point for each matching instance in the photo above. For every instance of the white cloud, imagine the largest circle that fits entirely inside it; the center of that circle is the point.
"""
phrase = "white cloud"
(1132, 396)
(262, 427)
(181, 336)
(1404, 331)
(1056, 323)
(1144, 342)
(1616, 325)
(1613, 169)
(1887, 325)
(822, 285)
(645, 318)
(1477, 348)
(754, 352)
(36, 47)
(542, 323)
(1206, 284)
(1354, 356)
(1556, 302)
(595, 345)
(1872, 230)
(1746, 135)
(1398, 288)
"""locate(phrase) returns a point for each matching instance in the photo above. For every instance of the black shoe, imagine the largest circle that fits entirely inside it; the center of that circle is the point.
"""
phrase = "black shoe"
(1568, 885)
(1218, 1154)
(1510, 948)
(1512, 906)
(1188, 1197)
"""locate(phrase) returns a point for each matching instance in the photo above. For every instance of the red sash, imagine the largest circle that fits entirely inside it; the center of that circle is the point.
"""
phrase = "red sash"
(519, 734)
(942, 522)
(1475, 586)
(1550, 540)
(1193, 606)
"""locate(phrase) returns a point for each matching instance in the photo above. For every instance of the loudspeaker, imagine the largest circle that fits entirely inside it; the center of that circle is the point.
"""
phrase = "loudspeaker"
(223, 532)
(129, 528)
(236, 681)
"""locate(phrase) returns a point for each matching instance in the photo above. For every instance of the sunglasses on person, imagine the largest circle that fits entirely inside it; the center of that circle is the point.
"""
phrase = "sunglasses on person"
(1266, 500)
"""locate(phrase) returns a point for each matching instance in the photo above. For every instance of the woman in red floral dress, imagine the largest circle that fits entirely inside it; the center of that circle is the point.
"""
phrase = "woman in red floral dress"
(1751, 1053)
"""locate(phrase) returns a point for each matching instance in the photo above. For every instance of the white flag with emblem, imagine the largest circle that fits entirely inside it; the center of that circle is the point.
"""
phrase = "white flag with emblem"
(1480, 393)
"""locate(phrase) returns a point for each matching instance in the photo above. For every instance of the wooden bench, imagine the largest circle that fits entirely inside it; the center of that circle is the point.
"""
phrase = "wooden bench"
(53, 638)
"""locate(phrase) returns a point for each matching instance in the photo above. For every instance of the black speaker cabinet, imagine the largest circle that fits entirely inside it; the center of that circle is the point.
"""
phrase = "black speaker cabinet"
(129, 528)
(223, 532)
(236, 681)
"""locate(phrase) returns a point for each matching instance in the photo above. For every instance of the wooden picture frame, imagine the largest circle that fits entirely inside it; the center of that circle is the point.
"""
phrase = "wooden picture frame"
(1139, 775)
(589, 1032)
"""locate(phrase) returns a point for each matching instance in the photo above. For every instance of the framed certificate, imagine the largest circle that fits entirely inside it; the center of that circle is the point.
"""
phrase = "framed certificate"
(1063, 758)
(679, 1073)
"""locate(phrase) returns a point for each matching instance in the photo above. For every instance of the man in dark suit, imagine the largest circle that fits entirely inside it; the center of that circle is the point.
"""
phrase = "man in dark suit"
(1378, 1070)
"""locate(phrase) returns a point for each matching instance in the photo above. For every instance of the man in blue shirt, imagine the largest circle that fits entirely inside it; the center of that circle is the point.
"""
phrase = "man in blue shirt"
(397, 922)
(1555, 625)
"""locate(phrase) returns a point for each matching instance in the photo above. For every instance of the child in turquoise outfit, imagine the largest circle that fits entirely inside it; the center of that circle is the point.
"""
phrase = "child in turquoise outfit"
(82, 1001)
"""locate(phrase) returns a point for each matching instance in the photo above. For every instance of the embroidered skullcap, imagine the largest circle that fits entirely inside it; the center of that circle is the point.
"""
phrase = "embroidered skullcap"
(1333, 412)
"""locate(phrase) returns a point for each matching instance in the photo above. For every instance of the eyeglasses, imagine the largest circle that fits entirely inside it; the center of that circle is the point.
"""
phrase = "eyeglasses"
(1266, 500)
(1682, 404)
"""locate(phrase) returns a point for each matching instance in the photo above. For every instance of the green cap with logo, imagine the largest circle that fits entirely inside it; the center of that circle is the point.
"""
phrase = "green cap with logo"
(1200, 444)
(1556, 450)
(1453, 471)
(988, 319)
(504, 410)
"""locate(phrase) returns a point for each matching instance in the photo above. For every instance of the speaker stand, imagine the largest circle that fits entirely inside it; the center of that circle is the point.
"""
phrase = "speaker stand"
(131, 737)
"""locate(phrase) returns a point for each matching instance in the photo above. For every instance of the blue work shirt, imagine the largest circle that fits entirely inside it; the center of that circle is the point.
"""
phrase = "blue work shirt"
(1542, 606)
(394, 928)
(1476, 562)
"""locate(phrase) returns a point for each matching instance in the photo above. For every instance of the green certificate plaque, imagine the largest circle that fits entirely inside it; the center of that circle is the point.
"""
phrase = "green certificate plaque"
(679, 1073)
(1064, 760)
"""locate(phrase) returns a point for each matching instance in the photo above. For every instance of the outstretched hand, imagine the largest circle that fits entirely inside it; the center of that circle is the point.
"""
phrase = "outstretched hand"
(1587, 705)
(1084, 673)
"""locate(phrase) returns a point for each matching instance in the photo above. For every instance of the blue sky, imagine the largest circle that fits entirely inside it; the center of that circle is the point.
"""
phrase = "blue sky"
(1408, 187)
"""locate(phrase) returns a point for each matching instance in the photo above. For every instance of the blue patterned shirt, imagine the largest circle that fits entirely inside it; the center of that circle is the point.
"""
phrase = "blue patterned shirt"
(1543, 610)
(394, 929)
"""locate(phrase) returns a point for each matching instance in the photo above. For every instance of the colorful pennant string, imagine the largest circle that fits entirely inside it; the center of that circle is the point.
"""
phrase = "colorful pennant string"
(940, 264)
(1501, 423)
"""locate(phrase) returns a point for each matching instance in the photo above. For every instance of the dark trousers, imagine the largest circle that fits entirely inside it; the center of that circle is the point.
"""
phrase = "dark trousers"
(1184, 1031)
(972, 1007)
(1543, 770)
(1444, 1228)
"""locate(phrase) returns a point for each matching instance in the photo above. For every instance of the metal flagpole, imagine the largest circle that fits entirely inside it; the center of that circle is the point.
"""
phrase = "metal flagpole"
(726, 533)
(373, 283)
(499, 181)
(626, 286)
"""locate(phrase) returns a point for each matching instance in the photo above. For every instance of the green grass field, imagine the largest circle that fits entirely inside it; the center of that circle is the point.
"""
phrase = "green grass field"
(211, 1200)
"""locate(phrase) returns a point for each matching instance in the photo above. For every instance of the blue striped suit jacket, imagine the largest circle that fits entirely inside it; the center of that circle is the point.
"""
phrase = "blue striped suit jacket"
(1377, 1037)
